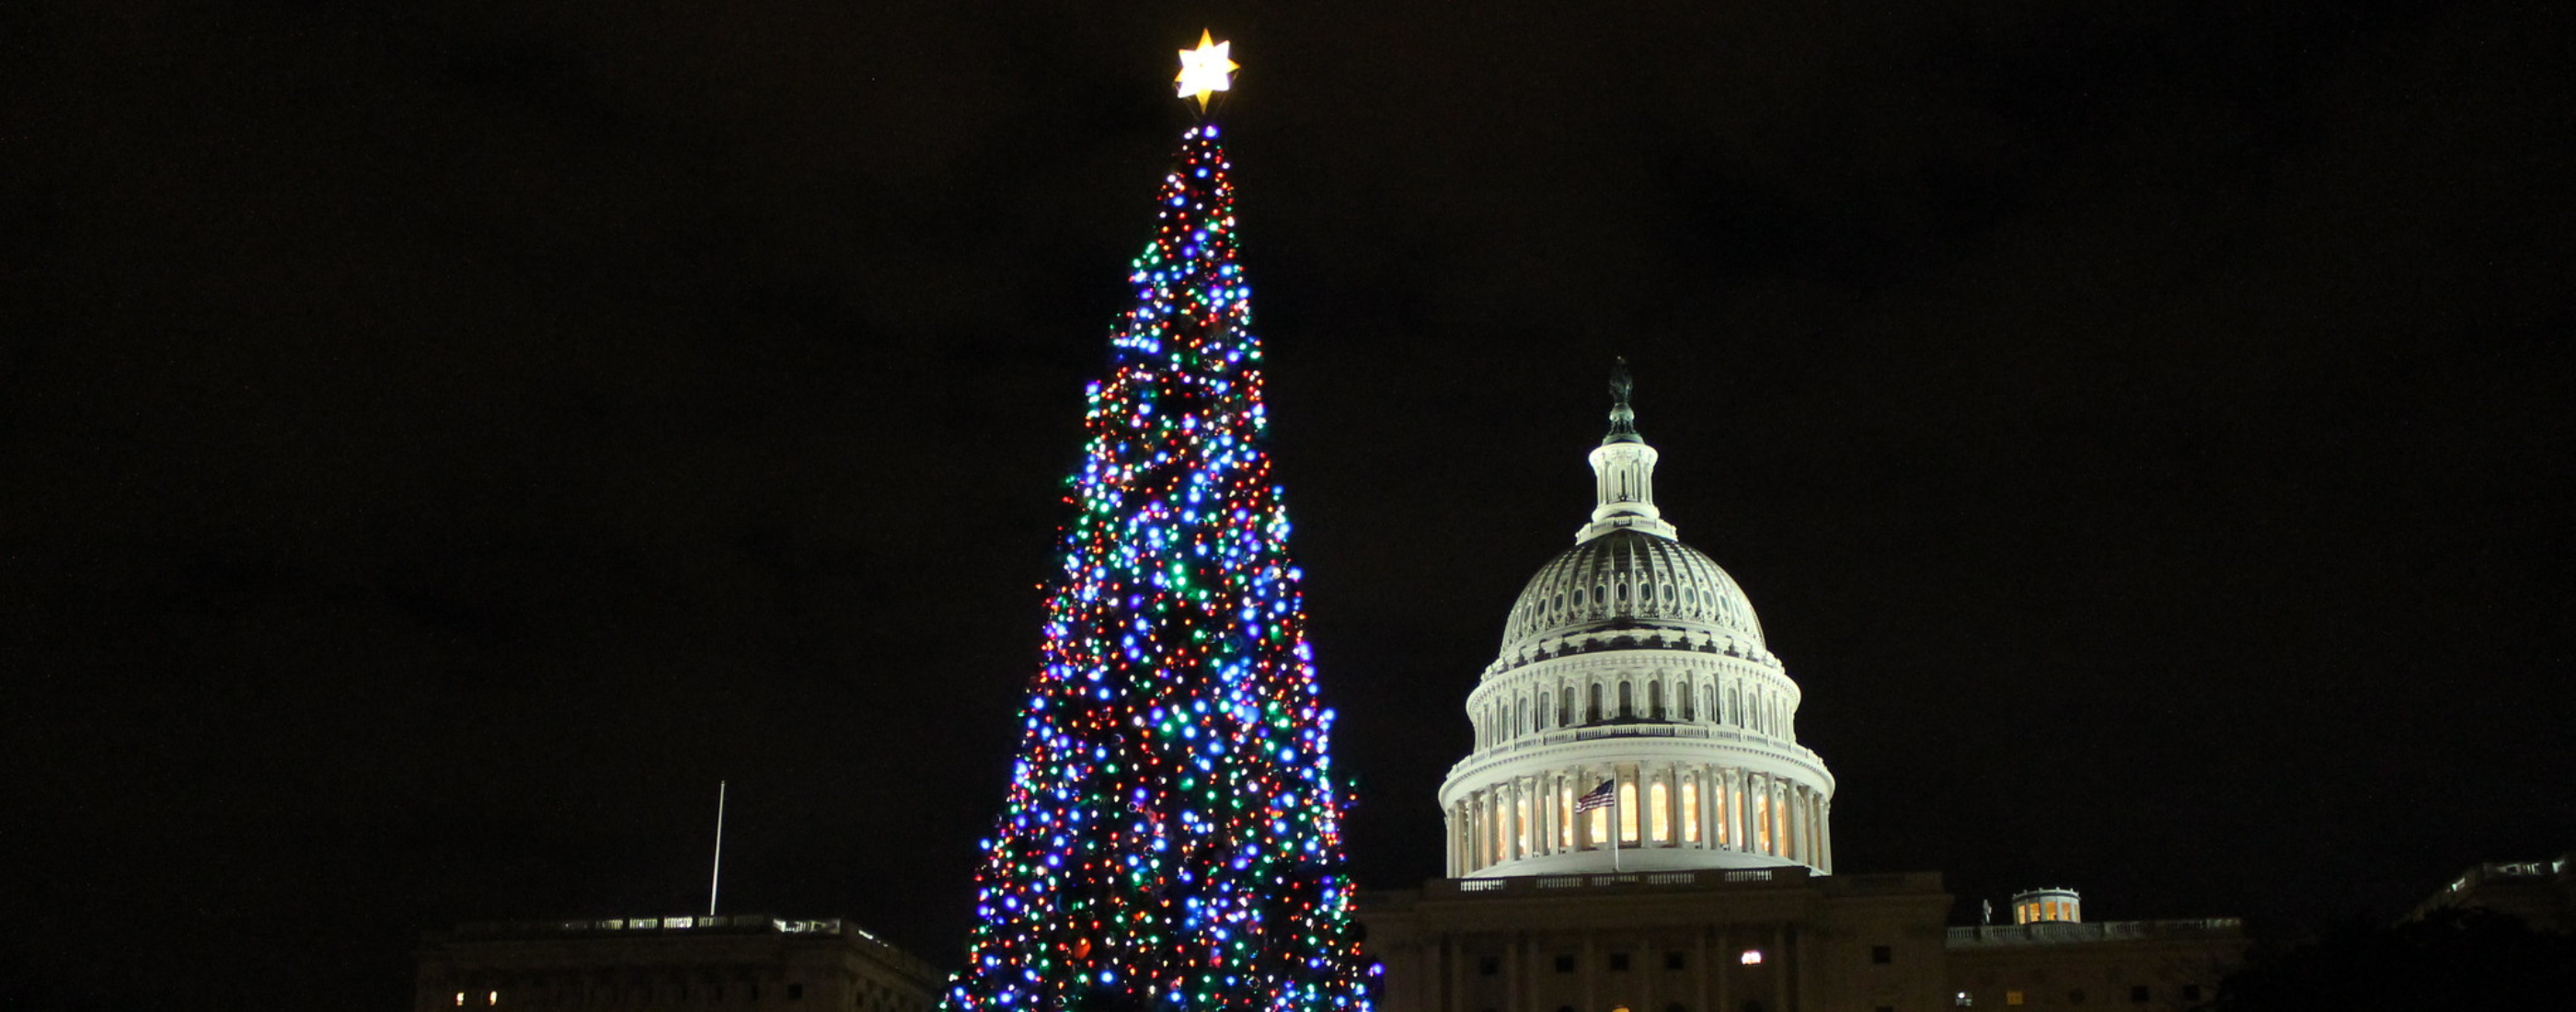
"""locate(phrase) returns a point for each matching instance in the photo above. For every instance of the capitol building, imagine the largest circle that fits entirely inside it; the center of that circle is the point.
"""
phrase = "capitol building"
(1637, 829)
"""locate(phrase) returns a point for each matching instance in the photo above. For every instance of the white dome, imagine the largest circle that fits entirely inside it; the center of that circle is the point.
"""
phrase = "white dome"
(1635, 719)
(1629, 579)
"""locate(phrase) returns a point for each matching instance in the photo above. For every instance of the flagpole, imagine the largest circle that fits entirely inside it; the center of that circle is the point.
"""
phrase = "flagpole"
(716, 875)
(1614, 827)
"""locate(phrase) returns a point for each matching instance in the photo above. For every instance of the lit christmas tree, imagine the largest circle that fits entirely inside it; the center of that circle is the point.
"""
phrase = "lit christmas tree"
(1172, 838)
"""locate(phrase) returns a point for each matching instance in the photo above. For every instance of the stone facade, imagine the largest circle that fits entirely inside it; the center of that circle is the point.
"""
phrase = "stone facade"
(747, 962)
(1746, 940)
(2138, 966)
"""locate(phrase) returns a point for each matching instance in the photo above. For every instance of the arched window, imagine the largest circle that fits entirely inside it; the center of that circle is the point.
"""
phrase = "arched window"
(1565, 708)
(1592, 712)
(1627, 701)
(1689, 697)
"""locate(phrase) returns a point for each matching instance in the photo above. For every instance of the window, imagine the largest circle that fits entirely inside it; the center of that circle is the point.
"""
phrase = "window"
(1627, 700)
(1565, 815)
(1881, 955)
(1619, 961)
(1690, 810)
(2191, 992)
(1673, 961)
(1565, 964)
(1663, 821)
(1628, 810)
(1487, 966)
(2138, 994)
(1751, 957)
(2012, 997)
(795, 992)
(1963, 1000)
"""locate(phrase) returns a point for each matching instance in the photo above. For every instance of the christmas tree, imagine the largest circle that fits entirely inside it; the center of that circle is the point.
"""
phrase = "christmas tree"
(1171, 838)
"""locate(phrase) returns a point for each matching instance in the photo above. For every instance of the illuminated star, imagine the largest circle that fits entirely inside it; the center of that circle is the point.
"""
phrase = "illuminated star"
(1206, 70)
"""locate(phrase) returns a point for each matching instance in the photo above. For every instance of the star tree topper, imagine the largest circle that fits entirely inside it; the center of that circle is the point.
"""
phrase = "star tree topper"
(1206, 70)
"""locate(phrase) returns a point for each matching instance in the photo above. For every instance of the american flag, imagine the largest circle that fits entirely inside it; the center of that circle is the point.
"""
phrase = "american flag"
(1599, 798)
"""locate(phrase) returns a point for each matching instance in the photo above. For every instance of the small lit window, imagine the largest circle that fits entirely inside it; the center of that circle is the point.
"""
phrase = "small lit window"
(460, 999)
(1751, 957)
(2138, 994)
(1882, 955)
(492, 998)
(1963, 1000)
(2012, 997)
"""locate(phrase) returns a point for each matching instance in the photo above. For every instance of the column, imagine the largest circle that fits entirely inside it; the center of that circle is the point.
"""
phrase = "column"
(1450, 819)
(1825, 817)
(1797, 795)
(1780, 818)
(1673, 834)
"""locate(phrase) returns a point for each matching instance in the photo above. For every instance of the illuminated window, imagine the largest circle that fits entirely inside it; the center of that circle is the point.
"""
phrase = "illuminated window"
(1962, 1000)
(1565, 816)
(1521, 812)
(2012, 997)
(1751, 957)
(1600, 827)
(1627, 806)
(492, 998)
(460, 999)
(1762, 823)
(1690, 810)
(1662, 822)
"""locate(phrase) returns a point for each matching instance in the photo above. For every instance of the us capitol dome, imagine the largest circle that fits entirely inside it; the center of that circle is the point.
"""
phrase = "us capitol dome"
(1634, 720)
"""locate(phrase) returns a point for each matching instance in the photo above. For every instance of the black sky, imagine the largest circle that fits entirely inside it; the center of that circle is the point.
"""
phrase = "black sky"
(436, 446)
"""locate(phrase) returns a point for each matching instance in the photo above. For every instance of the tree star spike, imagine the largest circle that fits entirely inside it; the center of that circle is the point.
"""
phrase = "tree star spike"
(1206, 70)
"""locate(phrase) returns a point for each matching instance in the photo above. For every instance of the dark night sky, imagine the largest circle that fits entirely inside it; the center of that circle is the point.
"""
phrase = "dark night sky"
(439, 445)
